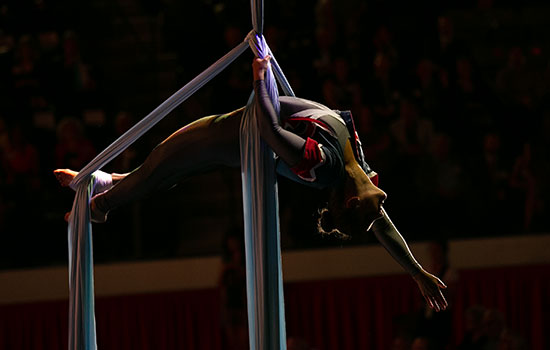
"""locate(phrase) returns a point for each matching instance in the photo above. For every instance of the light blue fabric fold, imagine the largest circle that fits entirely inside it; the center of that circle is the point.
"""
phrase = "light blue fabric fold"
(266, 316)
(134, 133)
(82, 334)
(263, 249)
(81, 278)
(257, 11)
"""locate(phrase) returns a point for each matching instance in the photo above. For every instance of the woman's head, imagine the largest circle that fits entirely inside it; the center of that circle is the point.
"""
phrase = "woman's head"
(352, 209)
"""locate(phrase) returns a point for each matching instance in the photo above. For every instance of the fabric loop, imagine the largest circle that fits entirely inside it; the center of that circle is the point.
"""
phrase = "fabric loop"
(257, 44)
(81, 286)
(262, 237)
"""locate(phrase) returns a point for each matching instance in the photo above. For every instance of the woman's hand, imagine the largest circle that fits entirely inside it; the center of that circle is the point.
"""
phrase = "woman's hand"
(430, 287)
(259, 67)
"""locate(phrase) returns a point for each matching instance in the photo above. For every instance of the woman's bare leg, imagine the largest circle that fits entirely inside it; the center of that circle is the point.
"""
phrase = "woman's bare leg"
(200, 146)
(65, 176)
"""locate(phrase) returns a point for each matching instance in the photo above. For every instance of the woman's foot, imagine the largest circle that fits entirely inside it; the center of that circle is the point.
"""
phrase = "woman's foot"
(64, 176)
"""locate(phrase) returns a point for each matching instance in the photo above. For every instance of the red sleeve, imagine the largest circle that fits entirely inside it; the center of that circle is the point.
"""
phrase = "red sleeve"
(313, 157)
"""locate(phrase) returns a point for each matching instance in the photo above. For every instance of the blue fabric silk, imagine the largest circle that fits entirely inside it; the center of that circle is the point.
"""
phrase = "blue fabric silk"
(263, 250)
(81, 278)
(266, 318)
(82, 334)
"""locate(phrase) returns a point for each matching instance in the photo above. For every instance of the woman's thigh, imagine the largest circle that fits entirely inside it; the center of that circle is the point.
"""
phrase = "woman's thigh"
(206, 143)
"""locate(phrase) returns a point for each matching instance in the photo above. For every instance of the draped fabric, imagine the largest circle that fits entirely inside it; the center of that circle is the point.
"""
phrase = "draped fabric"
(81, 277)
(264, 275)
(266, 320)
(81, 286)
(346, 314)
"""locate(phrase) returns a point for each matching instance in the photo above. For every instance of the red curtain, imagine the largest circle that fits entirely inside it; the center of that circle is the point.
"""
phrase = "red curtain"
(348, 314)
(522, 294)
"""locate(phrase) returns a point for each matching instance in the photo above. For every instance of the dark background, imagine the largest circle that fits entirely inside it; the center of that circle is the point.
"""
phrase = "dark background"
(450, 100)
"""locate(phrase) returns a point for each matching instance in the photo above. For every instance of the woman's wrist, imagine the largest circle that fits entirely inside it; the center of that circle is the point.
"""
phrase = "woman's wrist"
(416, 275)
(259, 76)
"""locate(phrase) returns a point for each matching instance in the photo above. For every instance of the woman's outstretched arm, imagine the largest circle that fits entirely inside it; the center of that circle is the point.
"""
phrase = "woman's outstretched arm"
(430, 286)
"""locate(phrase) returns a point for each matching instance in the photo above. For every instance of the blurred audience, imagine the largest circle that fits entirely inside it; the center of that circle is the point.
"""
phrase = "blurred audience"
(474, 333)
(73, 149)
(462, 115)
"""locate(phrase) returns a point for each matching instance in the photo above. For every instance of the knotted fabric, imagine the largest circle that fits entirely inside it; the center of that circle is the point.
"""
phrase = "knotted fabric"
(82, 335)
(263, 254)
(266, 320)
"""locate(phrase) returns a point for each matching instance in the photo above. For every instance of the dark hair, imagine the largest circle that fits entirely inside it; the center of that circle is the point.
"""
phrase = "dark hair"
(336, 220)
(326, 226)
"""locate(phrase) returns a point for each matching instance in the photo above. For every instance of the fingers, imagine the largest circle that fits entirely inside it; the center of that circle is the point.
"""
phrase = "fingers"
(433, 304)
(262, 62)
(259, 67)
(435, 299)
(443, 301)
(437, 302)
(436, 306)
(429, 301)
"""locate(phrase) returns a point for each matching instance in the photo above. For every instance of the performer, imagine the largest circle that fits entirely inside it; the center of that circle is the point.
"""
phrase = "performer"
(315, 146)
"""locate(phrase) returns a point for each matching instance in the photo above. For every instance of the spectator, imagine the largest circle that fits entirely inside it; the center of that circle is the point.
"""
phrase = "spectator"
(296, 343)
(514, 82)
(412, 133)
(422, 343)
(474, 335)
(400, 343)
(127, 160)
(491, 186)
(24, 71)
(73, 149)
(382, 91)
(21, 161)
(428, 88)
(232, 284)
(522, 179)
(340, 89)
(511, 341)
(493, 325)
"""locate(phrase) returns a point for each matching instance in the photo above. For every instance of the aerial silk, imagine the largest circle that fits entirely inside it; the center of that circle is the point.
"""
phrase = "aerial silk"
(266, 321)
(263, 257)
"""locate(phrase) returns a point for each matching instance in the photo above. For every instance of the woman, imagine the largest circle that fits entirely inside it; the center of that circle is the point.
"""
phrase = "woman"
(315, 146)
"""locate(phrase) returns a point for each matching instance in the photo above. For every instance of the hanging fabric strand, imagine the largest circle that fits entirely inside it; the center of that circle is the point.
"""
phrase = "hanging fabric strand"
(281, 78)
(81, 281)
(263, 249)
(257, 11)
(266, 317)
(158, 113)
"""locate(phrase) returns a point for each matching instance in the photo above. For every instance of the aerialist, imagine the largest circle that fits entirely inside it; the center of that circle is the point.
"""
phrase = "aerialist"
(314, 147)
